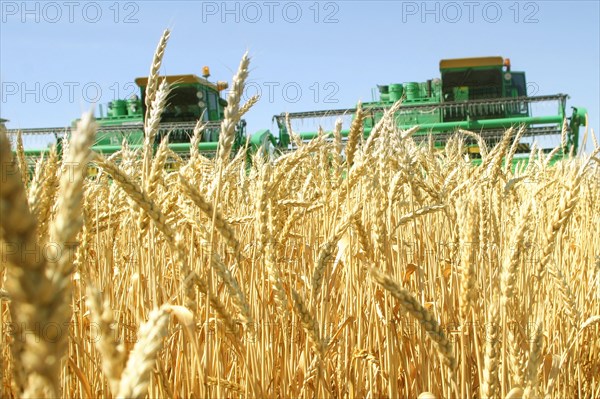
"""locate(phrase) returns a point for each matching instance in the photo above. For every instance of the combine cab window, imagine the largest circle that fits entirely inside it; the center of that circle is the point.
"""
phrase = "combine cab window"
(518, 83)
(212, 106)
(471, 84)
(518, 88)
(182, 105)
(486, 83)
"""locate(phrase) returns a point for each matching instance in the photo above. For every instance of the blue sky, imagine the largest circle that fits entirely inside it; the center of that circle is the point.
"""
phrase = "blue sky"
(59, 57)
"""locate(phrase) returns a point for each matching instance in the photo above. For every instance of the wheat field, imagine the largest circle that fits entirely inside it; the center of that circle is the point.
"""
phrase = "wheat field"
(373, 268)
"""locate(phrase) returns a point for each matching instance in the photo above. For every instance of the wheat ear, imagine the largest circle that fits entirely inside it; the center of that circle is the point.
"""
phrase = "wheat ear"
(138, 371)
(355, 134)
(249, 104)
(232, 111)
(113, 355)
(533, 363)
(491, 382)
(423, 316)
(21, 159)
(41, 291)
(27, 284)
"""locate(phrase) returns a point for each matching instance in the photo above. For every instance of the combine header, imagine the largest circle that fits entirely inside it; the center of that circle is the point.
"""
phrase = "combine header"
(481, 94)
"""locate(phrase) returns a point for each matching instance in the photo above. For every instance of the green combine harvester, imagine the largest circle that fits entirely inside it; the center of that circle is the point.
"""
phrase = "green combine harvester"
(480, 94)
(191, 98)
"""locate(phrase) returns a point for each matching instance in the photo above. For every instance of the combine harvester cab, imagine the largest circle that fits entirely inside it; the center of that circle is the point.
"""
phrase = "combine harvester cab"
(190, 99)
(481, 95)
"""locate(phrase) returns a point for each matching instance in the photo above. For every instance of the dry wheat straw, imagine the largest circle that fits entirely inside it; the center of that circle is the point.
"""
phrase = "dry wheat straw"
(319, 332)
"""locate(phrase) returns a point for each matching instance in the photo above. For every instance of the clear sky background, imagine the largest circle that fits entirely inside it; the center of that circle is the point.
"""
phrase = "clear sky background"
(59, 57)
